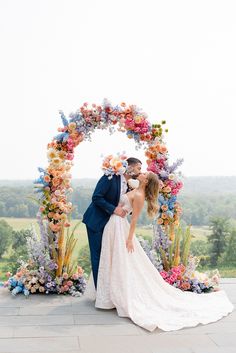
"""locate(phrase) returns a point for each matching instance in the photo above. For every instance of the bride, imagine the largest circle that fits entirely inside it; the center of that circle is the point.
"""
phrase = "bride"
(129, 282)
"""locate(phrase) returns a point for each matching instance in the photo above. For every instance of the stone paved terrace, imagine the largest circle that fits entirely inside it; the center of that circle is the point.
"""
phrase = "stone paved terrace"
(63, 324)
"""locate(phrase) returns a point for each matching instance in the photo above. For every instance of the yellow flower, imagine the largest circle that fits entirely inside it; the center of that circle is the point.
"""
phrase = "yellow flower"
(56, 161)
(72, 126)
(138, 119)
(63, 216)
(61, 154)
(113, 161)
(171, 176)
(52, 153)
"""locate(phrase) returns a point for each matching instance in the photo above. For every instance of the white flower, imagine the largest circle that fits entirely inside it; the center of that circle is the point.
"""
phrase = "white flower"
(133, 183)
(52, 153)
(172, 177)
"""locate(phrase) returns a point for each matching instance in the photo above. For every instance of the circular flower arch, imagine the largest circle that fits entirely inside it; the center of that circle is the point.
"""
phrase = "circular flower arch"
(54, 183)
(51, 266)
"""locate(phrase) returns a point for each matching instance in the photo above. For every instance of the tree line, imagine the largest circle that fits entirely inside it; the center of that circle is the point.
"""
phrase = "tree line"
(198, 209)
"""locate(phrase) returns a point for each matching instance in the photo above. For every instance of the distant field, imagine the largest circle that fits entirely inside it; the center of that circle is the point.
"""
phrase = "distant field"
(24, 223)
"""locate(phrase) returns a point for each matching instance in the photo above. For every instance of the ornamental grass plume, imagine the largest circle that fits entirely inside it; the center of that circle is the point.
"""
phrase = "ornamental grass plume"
(60, 251)
(176, 259)
(64, 252)
(166, 264)
(187, 237)
(69, 263)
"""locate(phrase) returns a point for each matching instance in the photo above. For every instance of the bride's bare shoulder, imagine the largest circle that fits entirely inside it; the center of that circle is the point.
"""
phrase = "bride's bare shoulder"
(139, 196)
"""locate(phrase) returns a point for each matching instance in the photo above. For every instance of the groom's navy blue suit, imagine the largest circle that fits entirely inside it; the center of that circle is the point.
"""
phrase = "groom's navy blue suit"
(105, 199)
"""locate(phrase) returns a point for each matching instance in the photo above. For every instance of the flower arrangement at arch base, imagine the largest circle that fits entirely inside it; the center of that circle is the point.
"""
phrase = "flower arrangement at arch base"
(170, 254)
(50, 267)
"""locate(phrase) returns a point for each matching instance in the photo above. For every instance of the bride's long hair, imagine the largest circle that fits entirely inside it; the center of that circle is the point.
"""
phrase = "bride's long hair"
(151, 194)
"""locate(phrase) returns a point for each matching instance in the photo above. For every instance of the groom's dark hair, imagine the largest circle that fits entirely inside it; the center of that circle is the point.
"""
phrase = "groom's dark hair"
(132, 161)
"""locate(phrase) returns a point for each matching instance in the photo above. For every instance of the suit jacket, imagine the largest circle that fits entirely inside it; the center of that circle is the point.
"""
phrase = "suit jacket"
(105, 198)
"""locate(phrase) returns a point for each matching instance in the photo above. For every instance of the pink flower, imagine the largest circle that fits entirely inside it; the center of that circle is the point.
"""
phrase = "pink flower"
(164, 274)
(70, 156)
(173, 277)
(75, 276)
(80, 271)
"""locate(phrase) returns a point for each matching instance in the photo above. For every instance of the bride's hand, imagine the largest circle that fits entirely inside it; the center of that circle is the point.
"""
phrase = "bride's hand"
(129, 245)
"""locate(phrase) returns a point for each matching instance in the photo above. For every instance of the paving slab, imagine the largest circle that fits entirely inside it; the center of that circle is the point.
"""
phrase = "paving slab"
(59, 324)
(29, 345)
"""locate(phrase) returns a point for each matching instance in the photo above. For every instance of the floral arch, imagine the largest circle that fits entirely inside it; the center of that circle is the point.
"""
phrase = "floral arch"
(51, 267)
(54, 181)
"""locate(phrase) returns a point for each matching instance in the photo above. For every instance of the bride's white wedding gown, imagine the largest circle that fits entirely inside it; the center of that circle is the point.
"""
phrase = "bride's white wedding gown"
(130, 283)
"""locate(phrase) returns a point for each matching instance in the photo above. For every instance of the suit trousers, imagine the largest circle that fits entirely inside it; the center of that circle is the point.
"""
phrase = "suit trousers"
(95, 245)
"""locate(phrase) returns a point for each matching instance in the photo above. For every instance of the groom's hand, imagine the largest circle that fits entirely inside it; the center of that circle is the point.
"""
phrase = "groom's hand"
(119, 211)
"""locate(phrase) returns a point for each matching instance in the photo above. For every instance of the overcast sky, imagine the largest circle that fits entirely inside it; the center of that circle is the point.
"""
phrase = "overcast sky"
(174, 59)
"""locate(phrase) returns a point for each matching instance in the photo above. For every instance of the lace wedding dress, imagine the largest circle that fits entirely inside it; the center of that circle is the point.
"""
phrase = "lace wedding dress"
(130, 283)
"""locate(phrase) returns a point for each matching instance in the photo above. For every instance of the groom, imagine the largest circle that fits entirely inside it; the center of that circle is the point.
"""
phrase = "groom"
(104, 203)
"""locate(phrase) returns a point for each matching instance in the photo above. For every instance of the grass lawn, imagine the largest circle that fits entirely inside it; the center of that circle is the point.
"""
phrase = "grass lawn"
(200, 233)
(23, 223)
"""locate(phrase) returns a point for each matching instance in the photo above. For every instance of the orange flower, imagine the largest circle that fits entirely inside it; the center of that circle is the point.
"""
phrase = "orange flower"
(46, 178)
(105, 164)
(56, 181)
(163, 149)
(117, 165)
(61, 154)
(56, 216)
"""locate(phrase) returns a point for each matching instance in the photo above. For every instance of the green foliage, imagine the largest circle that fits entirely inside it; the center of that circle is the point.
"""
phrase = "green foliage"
(218, 238)
(201, 249)
(18, 250)
(84, 259)
(5, 236)
(229, 256)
